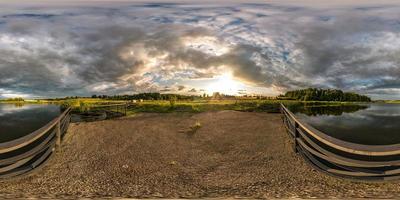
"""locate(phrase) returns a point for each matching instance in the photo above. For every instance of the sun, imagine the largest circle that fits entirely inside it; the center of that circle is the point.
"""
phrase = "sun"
(224, 84)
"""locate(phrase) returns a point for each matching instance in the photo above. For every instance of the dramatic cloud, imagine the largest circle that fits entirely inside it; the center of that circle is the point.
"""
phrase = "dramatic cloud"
(265, 48)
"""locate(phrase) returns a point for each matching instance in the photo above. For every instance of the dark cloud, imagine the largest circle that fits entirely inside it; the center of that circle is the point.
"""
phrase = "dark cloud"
(124, 49)
(181, 87)
(29, 15)
(350, 52)
(166, 89)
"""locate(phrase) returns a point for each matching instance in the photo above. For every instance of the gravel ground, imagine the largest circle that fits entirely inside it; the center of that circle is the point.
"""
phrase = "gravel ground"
(232, 154)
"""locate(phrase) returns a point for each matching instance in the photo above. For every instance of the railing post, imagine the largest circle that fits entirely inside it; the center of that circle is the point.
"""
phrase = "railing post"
(126, 108)
(58, 134)
(296, 135)
(294, 128)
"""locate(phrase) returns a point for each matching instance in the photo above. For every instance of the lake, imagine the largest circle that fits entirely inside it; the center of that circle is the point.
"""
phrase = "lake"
(374, 124)
(17, 120)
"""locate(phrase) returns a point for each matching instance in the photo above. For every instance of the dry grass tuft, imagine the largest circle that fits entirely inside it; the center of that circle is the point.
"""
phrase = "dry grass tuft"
(193, 129)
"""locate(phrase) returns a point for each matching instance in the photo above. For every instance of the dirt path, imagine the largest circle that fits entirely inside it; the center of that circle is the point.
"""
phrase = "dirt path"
(232, 154)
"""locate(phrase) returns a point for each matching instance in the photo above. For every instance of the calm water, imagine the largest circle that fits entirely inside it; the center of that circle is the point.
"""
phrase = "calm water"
(22, 119)
(365, 124)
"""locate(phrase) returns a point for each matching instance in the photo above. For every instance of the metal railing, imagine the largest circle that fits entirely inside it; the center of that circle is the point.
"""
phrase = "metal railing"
(341, 158)
(23, 155)
(117, 108)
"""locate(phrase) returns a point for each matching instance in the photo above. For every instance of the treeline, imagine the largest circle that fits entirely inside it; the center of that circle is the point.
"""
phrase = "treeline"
(314, 94)
(159, 96)
(13, 99)
(146, 96)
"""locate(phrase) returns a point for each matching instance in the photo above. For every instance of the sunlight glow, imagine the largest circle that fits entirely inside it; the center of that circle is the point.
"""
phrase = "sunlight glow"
(225, 84)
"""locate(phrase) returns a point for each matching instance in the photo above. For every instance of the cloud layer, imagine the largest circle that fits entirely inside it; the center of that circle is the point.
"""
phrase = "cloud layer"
(124, 48)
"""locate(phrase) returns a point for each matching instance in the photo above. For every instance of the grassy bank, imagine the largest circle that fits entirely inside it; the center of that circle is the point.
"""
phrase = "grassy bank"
(164, 106)
(195, 106)
(392, 101)
(203, 106)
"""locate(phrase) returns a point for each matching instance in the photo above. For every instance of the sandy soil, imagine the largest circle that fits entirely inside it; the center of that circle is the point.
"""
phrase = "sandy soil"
(232, 154)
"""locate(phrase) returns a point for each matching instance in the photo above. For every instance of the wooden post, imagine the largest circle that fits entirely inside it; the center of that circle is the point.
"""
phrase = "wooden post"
(126, 108)
(58, 134)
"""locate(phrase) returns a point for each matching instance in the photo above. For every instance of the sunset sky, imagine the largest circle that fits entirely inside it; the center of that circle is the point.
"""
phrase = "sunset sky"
(269, 47)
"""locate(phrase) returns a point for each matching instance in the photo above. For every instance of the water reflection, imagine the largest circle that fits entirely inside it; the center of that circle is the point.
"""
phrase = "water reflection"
(17, 120)
(327, 110)
(375, 124)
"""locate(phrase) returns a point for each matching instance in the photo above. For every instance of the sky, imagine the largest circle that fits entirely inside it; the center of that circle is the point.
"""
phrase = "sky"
(76, 48)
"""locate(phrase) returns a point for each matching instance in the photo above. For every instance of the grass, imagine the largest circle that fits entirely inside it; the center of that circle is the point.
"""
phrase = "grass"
(164, 106)
(203, 106)
(392, 101)
(196, 106)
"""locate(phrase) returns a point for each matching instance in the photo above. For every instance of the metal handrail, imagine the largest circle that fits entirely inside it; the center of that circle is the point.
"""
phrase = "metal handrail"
(341, 158)
(124, 105)
(28, 139)
(23, 160)
(354, 148)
